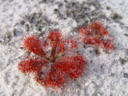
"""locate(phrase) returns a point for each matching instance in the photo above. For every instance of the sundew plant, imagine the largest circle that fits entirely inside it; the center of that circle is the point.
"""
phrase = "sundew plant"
(53, 60)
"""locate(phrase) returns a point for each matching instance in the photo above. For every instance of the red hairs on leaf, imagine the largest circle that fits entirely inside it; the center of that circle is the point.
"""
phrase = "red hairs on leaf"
(33, 44)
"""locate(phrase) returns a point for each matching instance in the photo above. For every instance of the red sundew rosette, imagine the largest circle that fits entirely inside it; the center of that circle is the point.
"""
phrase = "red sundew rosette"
(95, 34)
(63, 67)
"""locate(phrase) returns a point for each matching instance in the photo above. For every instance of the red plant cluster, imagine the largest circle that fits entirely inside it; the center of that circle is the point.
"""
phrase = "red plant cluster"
(55, 62)
(95, 34)
(56, 68)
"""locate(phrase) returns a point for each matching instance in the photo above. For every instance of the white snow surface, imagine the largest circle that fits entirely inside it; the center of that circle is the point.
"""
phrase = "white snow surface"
(106, 74)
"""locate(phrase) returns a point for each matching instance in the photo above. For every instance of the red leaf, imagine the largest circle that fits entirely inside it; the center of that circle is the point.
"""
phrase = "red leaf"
(84, 31)
(55, 38)
(98, 28)
(71, 44)
(108, 45)
(93, 40)
(72, 66)
(55, 77)
(33, 44)
(32, 65)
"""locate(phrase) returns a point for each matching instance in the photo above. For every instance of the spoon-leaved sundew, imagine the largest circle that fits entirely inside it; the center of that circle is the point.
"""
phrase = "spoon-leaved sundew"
(54, 62)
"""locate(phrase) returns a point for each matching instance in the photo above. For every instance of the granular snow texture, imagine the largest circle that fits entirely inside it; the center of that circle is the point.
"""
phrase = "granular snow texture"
(106, 75)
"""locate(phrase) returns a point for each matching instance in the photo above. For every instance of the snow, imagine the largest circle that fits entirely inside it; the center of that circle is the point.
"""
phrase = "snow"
(106, 75)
